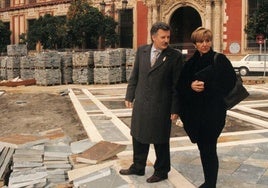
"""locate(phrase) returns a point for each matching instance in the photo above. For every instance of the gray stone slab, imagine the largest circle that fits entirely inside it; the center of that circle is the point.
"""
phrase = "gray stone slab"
(22, 158)
(108, 130)
(57, 151)
(81, 145)
(56, 171)
(27, 164)
(92, 176)
(249, 173)
(29, 151)
(58, 176)
(27, 183)
(27, 175)
(55, 158)
(6, 161)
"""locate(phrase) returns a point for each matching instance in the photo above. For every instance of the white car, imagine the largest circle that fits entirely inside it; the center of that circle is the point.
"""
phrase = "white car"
(251, 63)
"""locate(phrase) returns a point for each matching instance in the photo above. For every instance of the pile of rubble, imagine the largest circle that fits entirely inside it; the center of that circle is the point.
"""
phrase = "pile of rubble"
(50, 159)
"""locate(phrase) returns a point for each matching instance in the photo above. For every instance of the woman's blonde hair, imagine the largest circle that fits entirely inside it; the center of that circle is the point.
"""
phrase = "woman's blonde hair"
(201, 34)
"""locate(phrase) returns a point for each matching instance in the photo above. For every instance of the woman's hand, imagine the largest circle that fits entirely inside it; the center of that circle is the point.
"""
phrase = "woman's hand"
(174, 117)
(198, 86)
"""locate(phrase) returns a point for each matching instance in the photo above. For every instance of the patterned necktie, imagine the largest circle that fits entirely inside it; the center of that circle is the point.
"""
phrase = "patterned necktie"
(155, 56)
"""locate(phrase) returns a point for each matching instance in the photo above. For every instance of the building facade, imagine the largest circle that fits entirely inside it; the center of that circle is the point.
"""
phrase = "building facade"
(226, 19)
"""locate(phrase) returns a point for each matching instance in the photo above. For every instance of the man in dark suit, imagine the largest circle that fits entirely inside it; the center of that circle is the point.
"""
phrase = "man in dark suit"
(152, 94)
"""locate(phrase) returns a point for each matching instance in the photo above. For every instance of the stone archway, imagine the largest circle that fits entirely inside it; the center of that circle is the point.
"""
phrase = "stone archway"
(183, 22)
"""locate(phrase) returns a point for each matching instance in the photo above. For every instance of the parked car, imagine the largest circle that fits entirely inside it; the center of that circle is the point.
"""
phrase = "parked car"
(251, 63)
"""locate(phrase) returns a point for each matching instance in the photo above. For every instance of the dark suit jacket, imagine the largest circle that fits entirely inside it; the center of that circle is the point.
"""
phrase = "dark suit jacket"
(154, 94)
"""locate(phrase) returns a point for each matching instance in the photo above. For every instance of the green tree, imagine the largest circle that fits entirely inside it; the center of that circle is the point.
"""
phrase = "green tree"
(111, 37)
(258, 22)
(4, 36)
(49, 30)
(84, 23)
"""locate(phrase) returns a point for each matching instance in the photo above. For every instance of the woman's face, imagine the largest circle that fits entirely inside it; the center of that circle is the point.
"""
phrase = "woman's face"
(203, 46)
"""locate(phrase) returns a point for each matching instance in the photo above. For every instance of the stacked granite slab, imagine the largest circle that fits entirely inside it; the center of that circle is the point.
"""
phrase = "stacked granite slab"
(5, 162)
(39, 160)
(17, 50)
(12, 67)
(123, 64)
(3, 70)
(108, 66)
(27, 64)
(66, 68)
(14, 52)
(130, 59)
(83, 64)
(56, 161)
(48, 69)
(28, 168)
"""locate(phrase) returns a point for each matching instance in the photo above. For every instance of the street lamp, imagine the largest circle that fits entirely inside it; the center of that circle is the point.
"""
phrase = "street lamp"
(112, 14)
(102, 6)
(124, 4)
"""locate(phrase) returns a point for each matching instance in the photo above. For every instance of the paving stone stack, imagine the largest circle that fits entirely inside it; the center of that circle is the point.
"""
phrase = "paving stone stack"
(57, 162)
(83, 64)
(14, 52)
(12, 67)
(17, 50)
(27, 64)
(130, 59)
(66, 68)
(47, 69)
(123, 64)
(5, 162)
(3, 70)
(107, 67)
(28, 168)
(36, 160)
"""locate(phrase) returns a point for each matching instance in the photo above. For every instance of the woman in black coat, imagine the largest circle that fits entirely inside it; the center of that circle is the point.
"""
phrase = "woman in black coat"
(202, 86)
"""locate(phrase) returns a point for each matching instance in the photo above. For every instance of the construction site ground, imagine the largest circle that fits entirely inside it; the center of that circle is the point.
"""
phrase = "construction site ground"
(33, 109)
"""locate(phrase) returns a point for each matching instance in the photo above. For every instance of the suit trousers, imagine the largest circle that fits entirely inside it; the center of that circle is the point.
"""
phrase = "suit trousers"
(162, 152)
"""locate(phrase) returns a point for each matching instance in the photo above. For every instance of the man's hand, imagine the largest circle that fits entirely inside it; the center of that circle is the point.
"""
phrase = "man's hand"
(128, 104)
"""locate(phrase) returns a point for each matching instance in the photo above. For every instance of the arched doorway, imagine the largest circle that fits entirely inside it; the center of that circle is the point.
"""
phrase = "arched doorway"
(183, 22)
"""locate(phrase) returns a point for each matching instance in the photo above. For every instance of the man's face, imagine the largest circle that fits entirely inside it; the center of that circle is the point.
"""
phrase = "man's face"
(161, 39)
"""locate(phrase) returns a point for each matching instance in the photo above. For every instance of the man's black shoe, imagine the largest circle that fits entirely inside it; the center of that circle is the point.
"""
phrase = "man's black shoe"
(154, 179)
(131, 171)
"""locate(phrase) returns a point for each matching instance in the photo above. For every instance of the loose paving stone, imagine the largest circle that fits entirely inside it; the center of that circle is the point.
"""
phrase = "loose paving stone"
(111, 180)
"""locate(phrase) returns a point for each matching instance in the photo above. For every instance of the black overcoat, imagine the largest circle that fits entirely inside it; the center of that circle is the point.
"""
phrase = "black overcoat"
(203, 113)
(153, 91)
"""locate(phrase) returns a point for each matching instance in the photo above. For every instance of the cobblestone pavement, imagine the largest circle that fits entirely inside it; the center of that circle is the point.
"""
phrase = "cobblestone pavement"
(242, 147)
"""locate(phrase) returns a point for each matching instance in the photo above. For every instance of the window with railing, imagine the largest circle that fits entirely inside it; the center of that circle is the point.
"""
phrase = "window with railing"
(18, 2)
(32, 1)
(7, 3)
(253, 6)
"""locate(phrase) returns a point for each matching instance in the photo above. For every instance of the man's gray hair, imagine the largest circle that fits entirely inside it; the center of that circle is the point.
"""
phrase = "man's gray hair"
(159, 25)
